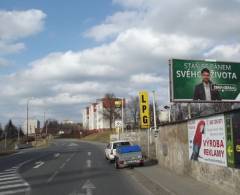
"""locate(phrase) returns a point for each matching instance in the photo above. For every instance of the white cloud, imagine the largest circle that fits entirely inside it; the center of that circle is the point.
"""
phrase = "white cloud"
(114, 24)
(225, 52)
(8, 47)
(144, 35)
(144, 78)
(17, 25)
(4, 62)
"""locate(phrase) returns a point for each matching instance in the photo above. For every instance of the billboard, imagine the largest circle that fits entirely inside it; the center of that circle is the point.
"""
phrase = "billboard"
(206, 139)
(233, 139)
(144, 110)
(204, 81)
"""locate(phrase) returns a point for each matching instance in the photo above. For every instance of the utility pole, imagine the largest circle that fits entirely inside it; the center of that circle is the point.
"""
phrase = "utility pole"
(122, 117)
(27, 119)
(44, 122)
(5, 142)
(154, 111)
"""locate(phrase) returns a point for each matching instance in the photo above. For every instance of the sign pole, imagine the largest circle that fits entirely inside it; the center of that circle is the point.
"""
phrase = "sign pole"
(189, 110)
(154, 111)
(122, 118)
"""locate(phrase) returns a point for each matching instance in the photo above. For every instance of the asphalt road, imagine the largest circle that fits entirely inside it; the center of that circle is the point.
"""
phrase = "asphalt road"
(66, 167)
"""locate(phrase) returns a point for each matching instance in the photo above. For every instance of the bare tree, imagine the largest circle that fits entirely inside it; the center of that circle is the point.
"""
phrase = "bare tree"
(133, 110)
(152, 114)
(110, 111)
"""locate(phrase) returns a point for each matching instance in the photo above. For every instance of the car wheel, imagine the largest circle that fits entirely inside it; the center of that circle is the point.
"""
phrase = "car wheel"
(141, 164)
(116, 164)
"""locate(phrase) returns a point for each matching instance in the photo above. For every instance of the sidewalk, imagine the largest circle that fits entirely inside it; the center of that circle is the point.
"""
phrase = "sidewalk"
(171, 184)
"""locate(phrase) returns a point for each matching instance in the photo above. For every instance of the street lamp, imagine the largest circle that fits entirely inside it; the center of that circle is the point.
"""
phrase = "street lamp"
(28, 100)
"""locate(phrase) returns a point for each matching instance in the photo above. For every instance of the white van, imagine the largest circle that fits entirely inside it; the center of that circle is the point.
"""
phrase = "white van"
(110, 150)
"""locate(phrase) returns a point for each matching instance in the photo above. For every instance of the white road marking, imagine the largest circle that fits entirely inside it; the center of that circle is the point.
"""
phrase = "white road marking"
(7, 172)
(52, 177)
(88, 186)
(89, 153)
(9, 178)
(63, 165)
(8, 175)
(10, 181)
(56, 155)
(38, 164)
(13, 169)
(15, 191)
(14, 186)
(89, 163)
(72, 144)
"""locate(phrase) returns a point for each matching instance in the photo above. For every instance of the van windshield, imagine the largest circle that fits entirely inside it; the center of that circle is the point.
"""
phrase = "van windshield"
(116, 145)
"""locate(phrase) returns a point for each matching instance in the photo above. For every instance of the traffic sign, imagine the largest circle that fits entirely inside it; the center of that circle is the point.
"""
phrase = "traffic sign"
(118, 124)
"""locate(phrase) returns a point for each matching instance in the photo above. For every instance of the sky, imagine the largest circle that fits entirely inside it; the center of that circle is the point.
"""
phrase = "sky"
(62, 55)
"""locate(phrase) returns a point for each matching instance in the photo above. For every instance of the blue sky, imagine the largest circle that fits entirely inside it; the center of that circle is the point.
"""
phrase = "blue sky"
(63, 55)
(64, 27)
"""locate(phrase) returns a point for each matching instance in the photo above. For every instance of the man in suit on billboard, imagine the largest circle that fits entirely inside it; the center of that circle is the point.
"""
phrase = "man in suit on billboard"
(204, 90)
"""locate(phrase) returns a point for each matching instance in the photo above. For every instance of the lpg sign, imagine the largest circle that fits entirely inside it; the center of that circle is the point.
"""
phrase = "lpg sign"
(144, 110)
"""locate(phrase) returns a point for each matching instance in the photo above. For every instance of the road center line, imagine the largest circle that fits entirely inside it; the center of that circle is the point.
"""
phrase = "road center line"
(56, 155)
(63, 165)
(70, 157)
(89, 153)
(89, 163)
(52, 177)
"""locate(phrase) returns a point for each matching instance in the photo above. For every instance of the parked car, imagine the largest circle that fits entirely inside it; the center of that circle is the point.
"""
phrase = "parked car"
(128, 156)
(110, 150)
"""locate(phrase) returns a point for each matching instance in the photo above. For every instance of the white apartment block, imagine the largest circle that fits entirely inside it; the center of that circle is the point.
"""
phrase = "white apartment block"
(33, 124)
(93, 118)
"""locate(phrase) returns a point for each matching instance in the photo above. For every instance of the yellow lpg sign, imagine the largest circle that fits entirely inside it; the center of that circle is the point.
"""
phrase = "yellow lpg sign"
(144, 109)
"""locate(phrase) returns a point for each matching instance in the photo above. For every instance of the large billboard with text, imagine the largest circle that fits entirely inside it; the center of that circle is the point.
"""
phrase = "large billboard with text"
(204, 81)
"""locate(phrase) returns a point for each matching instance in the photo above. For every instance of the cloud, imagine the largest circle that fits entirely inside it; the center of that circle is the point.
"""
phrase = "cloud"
(216, 20)
(113, 25)
(134, 45)
(225, 52)
(9, 48)
(4, 62)
(17, 25)
(146, 78)
(20, 24)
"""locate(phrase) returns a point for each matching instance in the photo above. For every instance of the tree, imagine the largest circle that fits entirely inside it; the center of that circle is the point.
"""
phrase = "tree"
(11, 130)
(110, 111)
(21, 133)
(133, 110)
(52, 126)
(1, 131)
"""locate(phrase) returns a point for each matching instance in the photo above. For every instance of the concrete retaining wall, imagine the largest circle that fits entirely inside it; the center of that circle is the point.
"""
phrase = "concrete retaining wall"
(170, 148)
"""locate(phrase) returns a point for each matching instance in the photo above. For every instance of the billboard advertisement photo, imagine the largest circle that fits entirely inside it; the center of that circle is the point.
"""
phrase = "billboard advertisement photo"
(206, 139)
(204, 81)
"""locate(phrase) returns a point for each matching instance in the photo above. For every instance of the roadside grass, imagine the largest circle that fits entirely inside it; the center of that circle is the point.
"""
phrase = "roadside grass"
(102, 137)
(10, 146)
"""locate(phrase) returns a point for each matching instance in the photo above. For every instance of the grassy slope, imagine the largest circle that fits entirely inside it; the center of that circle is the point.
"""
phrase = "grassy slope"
(99, 137)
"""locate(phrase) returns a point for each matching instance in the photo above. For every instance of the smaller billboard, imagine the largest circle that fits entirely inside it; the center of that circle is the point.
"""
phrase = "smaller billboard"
(206, 137)
(144, 110)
